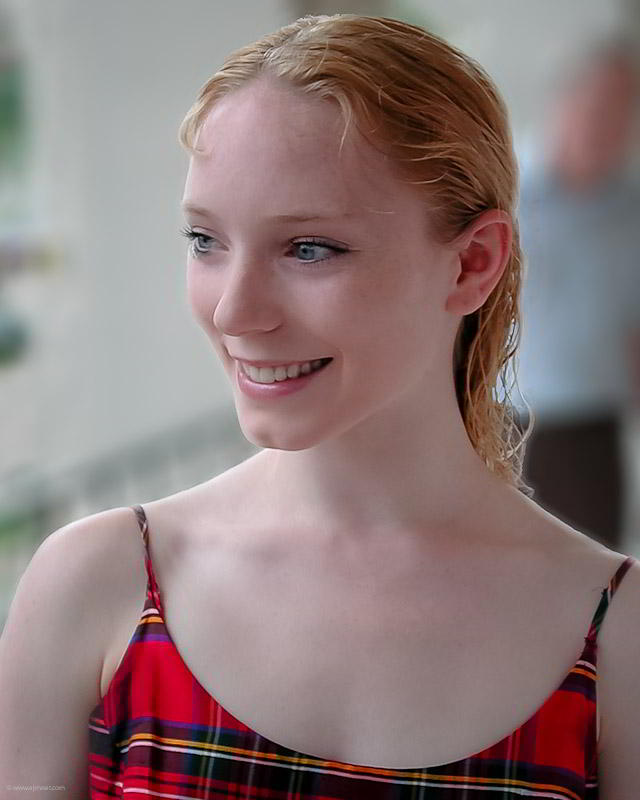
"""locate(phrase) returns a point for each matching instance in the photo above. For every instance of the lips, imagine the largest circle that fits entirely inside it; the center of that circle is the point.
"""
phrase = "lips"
(275, 389)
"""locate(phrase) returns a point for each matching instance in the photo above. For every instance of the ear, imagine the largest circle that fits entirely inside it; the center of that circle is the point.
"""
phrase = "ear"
(483, 251)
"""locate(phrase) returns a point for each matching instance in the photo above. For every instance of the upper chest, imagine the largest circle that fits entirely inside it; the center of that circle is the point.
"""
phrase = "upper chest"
(367, 660)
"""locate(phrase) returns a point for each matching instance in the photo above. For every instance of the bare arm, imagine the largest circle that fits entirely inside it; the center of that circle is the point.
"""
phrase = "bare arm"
(51, 656)
(619, 693)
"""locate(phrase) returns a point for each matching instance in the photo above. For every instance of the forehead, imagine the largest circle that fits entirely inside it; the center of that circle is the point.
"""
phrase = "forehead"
(265, 141)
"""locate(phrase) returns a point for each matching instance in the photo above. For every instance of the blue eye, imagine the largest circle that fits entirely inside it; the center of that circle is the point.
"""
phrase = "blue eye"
(319, 243)
(193, 238)
(200, 239)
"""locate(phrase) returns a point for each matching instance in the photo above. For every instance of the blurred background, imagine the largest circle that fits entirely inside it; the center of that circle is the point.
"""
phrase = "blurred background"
(110, 393)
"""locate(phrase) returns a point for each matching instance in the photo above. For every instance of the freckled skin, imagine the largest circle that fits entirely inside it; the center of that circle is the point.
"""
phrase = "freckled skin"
(377, 437)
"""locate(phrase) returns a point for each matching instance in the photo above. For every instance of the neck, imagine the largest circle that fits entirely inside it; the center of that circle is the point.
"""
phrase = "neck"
(411, 468)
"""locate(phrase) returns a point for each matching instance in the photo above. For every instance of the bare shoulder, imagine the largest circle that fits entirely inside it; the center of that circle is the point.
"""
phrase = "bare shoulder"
(100, 559)
(222, 503)
(589, 564)
(580, 558)
(53, 642)
(618, 695)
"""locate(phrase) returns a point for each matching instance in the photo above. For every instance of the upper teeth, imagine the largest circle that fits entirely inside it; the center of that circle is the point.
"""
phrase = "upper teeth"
(280, 373)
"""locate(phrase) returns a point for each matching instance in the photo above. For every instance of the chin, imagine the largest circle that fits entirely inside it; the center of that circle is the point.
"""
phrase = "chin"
(284, 435)
(279, 440)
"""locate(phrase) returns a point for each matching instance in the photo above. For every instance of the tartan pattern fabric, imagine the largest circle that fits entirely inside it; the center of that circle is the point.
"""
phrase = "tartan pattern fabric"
(157, 733)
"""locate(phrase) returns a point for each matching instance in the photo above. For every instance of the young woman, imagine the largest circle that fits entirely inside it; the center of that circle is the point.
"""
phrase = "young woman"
(371, 606)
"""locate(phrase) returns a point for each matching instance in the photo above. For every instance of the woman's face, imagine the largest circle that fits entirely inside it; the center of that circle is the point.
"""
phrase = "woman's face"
(370, 292)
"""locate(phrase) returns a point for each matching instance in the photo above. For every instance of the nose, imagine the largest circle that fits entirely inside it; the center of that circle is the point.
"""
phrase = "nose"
(247, 300)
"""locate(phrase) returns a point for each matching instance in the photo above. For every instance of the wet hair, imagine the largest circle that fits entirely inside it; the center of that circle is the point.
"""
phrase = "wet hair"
(444, 126)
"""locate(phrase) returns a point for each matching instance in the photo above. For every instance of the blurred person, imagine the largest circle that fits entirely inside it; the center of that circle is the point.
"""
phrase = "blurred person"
(372, 590)
(580, 228)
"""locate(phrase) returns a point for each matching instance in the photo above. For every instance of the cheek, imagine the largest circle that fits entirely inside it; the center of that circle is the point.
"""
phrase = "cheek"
(404, 322)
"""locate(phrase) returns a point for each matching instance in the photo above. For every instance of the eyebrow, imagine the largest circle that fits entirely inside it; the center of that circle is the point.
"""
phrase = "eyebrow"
(300, 216)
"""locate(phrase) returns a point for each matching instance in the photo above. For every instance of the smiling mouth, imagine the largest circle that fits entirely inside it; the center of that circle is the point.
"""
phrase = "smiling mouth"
(268, 375)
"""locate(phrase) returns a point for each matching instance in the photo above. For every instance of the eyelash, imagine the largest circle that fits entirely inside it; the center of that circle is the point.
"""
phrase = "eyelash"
(193, 235)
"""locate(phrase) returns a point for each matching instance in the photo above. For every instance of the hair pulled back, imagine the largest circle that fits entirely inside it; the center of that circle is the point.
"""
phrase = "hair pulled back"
(444, 125)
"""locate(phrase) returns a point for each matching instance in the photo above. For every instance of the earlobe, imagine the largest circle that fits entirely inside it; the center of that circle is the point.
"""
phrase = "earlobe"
(485, 248)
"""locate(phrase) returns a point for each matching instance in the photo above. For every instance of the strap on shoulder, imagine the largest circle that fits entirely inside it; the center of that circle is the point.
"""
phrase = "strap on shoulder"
(607, 594)
(152, 585)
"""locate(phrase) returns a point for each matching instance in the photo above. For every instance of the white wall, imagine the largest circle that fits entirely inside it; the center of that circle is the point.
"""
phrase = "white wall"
(117, 355)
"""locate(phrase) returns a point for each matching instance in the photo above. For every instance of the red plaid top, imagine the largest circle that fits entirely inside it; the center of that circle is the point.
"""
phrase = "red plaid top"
(158, 734)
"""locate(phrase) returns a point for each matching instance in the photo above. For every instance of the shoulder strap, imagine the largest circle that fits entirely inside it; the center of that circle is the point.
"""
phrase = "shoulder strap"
(152, 586)
(607, 594)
